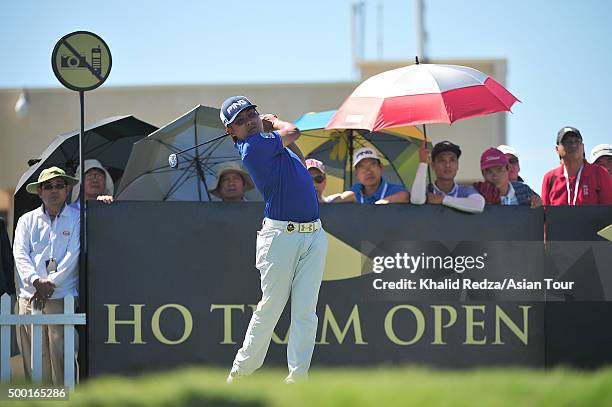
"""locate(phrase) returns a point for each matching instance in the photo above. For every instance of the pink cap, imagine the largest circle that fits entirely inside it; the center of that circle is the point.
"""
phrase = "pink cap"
(313, 163)
(492, 157)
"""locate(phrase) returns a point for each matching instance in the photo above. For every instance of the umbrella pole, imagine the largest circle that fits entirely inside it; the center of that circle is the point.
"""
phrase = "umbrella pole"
(428, 166)
(83, 294)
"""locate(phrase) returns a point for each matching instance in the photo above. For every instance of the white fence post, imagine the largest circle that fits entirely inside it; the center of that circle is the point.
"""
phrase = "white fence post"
(36, 349)
(5, 340)
(69, 344)
(68, 319)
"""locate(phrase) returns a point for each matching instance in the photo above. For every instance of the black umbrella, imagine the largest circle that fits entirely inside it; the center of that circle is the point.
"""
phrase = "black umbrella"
(108, 141)
(148, 175)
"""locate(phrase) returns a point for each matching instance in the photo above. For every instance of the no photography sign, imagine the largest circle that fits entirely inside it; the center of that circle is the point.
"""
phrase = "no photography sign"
(81, 61)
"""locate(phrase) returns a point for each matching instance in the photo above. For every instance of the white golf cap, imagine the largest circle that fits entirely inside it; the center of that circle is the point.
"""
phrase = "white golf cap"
(600, 150)
(363, 153)
(507, 150)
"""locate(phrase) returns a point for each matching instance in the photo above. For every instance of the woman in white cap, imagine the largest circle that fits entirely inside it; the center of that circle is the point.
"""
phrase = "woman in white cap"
(98, 183)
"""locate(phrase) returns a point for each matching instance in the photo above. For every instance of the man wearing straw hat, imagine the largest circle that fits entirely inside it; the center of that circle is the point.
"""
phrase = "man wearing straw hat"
(46, 250)
(231, 183)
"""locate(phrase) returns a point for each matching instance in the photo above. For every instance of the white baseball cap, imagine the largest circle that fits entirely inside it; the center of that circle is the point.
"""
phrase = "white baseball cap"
(507, 150)
(600, 150)
(363, 153)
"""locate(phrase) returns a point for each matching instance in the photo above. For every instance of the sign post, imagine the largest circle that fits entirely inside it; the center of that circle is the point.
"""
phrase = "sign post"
(82, 61)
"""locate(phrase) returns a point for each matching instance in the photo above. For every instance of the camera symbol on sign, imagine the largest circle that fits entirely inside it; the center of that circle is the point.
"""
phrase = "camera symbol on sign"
(72, 62)
(69, 61)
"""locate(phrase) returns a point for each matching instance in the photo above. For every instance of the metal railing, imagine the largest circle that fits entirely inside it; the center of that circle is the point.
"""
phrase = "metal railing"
(68, 319)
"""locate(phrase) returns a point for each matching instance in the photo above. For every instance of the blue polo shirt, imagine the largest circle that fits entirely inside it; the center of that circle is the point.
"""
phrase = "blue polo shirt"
(384, 190)
(280, 177)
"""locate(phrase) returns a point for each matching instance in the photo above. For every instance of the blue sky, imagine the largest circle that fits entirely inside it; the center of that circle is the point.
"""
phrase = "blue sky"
(559, 52)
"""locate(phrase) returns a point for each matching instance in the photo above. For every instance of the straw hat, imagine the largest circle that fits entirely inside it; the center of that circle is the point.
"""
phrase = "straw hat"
(48, 174)
(231, 166)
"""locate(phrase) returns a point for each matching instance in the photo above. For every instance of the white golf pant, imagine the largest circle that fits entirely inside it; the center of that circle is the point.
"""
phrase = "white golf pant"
(291, 260)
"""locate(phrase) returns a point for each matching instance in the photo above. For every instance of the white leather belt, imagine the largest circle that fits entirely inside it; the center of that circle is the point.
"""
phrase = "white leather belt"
(290, 226)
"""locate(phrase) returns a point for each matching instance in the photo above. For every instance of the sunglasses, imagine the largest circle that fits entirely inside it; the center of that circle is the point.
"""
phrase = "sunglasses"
(513, 161)
(48, 187)
(318, 178)
(248, 116)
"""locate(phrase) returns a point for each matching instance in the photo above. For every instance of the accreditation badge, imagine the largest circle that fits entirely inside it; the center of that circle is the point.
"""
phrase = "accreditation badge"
(51, 265)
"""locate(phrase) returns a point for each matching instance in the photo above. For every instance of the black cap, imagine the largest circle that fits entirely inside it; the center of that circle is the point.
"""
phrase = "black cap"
(565, 131)
(445, 146)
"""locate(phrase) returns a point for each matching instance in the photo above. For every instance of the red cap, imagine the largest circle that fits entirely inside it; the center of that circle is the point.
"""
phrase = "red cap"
(492, 157)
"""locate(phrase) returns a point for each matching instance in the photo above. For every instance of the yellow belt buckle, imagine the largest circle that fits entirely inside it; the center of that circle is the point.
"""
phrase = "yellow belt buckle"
(306, 227)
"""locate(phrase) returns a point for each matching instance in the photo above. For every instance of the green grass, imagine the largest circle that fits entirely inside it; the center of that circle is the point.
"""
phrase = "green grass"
(351, 387)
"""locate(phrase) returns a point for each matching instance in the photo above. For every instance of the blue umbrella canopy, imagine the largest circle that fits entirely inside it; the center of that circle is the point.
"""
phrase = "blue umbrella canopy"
(398, 148)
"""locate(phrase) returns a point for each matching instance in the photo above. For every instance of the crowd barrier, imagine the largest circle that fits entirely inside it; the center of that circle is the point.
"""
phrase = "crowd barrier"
(174, 283)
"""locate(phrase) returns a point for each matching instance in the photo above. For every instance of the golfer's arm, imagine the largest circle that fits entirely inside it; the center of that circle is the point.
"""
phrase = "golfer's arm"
(288, 132)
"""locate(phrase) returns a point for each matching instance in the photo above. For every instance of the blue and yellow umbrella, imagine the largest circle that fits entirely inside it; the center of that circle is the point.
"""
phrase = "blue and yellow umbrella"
(399, 148)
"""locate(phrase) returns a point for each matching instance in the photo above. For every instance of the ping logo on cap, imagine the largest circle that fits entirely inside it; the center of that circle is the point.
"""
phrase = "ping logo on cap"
(364, 152)
(236, 105)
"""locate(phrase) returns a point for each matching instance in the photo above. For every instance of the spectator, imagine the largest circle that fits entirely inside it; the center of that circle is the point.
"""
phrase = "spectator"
(98, 184)
(445, 163)
(497, 188)
(372, 187)
(231, 183)
(319, 177)
(513, 162)
(575, 181)
(46, 250)
(7, 265)
(601, 154)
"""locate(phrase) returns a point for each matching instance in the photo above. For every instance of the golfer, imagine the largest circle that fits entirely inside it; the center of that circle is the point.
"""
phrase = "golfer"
(291, 245)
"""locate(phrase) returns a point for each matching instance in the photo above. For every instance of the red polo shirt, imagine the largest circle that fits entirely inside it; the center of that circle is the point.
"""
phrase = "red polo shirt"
(595, 187)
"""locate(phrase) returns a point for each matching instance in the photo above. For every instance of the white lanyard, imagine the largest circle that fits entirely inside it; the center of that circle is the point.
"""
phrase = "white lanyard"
(575, 186)
(382, 195)
(52, 232)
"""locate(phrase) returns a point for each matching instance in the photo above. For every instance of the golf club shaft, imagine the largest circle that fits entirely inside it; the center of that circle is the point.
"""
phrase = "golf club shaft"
(200, 145)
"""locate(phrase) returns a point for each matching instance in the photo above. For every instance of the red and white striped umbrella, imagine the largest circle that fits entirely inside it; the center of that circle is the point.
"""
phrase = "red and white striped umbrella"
(421, 94)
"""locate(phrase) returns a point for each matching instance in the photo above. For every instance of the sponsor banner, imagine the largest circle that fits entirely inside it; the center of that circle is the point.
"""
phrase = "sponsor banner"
(174, 284)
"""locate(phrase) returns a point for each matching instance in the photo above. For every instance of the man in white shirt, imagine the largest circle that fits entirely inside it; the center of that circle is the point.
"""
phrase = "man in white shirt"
(445, 163)
(46, 250)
